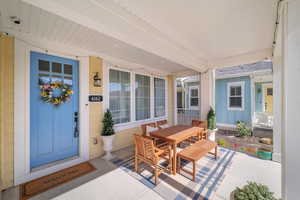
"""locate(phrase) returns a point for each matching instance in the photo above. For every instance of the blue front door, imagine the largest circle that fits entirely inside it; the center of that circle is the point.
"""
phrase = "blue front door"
(53, 128)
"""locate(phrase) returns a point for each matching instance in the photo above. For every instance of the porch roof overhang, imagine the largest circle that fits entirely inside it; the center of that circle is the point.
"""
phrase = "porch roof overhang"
(169, 37)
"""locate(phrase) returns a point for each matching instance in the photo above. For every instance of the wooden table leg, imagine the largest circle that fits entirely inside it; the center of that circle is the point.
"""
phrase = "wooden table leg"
(194, 170)
(174, 158)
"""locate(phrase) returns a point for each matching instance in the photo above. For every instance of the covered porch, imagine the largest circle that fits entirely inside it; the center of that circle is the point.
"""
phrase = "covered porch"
(63, 65)
(115, 179)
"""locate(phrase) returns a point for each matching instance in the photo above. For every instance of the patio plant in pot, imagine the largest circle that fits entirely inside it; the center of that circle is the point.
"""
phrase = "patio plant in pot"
(108, 134)
(211, 124)
(252, 191)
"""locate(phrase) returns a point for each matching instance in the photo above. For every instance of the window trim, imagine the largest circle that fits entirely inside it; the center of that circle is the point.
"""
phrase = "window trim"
(190, 89)
(133, 122)
(242, 85)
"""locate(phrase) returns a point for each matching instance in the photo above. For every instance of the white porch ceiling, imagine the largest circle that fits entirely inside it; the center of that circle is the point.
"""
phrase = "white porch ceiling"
(49, 31)
(169, 35)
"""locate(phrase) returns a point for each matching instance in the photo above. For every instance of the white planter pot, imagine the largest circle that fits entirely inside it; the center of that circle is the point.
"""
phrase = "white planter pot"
(107, 146)
(212, 134)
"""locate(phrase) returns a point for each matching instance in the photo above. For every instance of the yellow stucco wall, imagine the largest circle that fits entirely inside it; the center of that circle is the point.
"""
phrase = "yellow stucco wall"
(6, 110)
(123, 138)
(96, 109)
(171, 79)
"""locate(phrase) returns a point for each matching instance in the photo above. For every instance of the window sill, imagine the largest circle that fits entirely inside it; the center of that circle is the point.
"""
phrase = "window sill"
(134, 124)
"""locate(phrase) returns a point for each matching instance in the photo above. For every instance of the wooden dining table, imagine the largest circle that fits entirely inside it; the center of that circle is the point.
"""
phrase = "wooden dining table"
(175, 135)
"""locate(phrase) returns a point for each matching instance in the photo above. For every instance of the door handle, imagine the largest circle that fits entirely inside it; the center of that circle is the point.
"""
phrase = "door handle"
(76, 129)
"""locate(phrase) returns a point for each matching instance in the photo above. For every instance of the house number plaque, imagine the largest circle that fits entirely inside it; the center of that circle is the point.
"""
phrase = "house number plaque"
(95, 98)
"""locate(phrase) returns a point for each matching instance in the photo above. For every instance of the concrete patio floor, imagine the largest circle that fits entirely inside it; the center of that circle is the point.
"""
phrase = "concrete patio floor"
(109, 182)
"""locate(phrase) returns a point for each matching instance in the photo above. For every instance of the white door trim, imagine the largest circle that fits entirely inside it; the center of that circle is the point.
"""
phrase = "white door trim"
(22, 172)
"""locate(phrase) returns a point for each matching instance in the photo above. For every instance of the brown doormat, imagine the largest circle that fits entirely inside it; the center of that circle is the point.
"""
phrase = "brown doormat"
(45, 183)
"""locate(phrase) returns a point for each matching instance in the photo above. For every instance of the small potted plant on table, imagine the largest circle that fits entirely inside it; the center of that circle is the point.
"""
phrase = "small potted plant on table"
(211, 124)
(108, 135)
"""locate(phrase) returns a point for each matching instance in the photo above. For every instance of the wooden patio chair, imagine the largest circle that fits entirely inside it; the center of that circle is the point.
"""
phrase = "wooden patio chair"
(203, 135)
(161, 123)
(147, 152)
(144, 127)
(199, 123)
(157, 141)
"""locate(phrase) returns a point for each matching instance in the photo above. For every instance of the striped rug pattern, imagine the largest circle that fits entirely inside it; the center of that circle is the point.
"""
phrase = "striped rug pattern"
(209, 176)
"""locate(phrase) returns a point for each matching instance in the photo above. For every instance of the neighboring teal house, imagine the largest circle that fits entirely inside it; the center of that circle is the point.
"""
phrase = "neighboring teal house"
(245, 93)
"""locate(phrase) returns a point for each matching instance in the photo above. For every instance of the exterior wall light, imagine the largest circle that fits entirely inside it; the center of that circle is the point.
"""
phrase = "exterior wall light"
(97, 80)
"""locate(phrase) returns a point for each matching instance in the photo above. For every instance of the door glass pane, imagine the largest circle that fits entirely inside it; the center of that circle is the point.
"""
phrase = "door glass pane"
(194, 92)
(56, 78)
(44, 66)
(56, 67)
(270, 91)
(194, 101)
(67, 69)
(44, 79)
(68, 81)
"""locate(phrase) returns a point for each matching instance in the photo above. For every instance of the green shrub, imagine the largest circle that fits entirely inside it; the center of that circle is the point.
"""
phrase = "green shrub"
(108, 124)
(242, 129)
(221, 142)
(211, 119)
(253, 191)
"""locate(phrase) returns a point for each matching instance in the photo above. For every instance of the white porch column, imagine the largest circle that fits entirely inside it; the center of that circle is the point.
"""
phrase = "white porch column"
(277, 107)
(291, 101)
(207, 98)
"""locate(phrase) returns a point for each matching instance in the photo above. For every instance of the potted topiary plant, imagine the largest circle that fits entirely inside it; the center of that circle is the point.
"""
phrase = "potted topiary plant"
(252, 191)
(211, 124)
(108, 134)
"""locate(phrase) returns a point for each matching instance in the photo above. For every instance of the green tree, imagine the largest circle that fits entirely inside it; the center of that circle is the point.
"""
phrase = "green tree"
(211, 119)
(108, 124)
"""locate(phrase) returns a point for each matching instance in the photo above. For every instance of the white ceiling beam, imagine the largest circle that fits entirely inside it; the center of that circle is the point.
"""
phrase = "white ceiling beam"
(74, 51)
(246, 58)
(147, 38)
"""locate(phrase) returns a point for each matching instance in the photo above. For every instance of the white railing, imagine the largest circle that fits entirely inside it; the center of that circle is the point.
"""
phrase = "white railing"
(185, 116)
(263, 120)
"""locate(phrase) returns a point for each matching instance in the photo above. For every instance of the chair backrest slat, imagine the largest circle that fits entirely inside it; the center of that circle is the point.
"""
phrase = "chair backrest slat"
(161, 122)
(145, 148)
(144, 127)
(199, 123)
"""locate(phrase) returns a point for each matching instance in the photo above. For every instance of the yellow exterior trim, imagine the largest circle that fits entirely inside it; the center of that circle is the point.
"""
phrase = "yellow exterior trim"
(171, 102)
(6, 107)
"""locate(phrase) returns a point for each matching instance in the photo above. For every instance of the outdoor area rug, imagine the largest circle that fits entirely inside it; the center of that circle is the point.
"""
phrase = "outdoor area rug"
(45, 183)
(209, 175)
